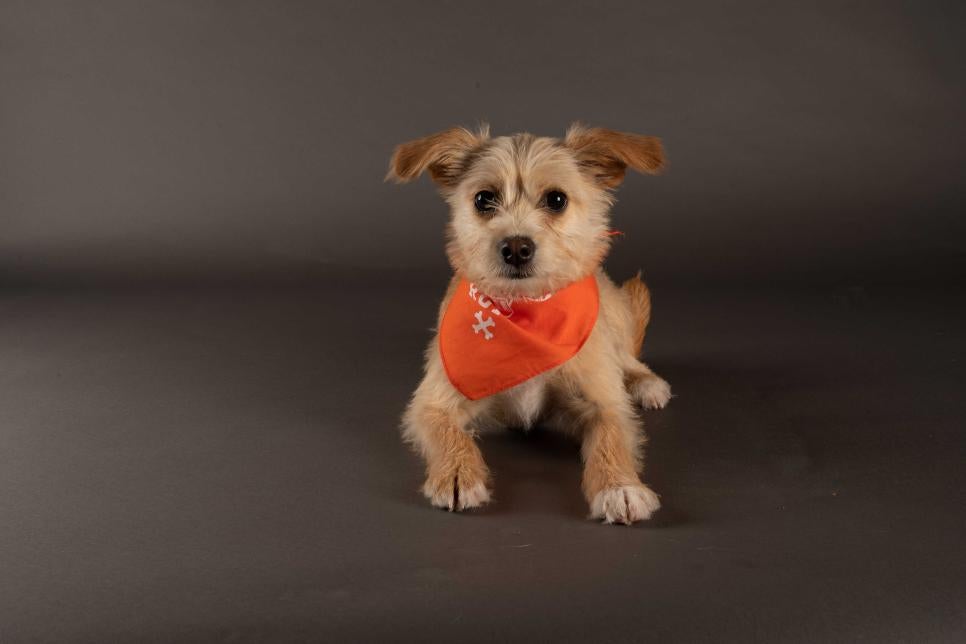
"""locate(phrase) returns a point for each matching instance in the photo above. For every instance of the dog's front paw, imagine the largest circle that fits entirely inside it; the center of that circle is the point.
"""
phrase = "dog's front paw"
(456, 492)
(625, 504)
(651, 391)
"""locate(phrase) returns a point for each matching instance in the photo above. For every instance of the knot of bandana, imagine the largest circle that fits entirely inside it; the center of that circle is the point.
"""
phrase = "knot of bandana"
(489, 344)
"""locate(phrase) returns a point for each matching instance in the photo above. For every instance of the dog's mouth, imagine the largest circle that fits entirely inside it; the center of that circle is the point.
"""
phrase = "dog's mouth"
(514, 273)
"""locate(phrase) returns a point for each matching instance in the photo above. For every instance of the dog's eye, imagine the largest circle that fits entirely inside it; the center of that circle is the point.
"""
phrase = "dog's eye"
(485, 201)
(556, 201)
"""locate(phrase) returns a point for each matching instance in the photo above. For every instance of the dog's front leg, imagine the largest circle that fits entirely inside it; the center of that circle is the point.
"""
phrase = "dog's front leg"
(611, 451)
(438, 424)
(456, 476)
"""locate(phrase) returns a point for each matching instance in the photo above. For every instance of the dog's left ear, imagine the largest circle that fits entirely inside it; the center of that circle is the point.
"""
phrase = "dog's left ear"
(606, 154)
(444, 154)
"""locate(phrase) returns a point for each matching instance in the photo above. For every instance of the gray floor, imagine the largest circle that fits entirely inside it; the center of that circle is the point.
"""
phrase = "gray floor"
(222, 464)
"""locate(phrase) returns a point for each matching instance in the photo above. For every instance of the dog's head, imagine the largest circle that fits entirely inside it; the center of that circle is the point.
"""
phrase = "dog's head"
(529, 214)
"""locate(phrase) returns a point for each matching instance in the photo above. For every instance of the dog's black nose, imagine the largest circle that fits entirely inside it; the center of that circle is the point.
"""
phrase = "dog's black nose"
(517, 251)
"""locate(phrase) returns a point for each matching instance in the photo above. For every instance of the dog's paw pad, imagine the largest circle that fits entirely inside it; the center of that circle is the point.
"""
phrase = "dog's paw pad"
(651, 391)
(625, 504)
(454, 495)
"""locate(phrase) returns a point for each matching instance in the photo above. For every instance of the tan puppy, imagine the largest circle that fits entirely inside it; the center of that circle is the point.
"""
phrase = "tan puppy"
(555, 196)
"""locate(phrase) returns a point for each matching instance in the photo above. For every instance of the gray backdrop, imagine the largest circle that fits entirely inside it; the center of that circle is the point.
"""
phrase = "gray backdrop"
(805, 142)
(213, 312)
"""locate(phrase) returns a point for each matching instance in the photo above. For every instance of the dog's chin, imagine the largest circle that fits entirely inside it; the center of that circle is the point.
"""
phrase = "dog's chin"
(515, 283)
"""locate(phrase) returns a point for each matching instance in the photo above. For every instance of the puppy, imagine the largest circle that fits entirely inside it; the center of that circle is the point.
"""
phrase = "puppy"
(531, 328)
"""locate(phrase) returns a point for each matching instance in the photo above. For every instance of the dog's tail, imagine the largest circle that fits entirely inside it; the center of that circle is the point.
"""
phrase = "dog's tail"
(639, 299)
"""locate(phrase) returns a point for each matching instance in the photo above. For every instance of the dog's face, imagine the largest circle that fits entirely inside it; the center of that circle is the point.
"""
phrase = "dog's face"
(529, 215)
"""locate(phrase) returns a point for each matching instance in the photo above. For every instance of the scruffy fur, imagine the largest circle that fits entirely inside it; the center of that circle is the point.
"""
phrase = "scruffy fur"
(594, 394)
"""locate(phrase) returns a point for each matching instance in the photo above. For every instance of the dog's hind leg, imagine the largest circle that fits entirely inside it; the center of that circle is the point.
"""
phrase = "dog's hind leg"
(646, 387)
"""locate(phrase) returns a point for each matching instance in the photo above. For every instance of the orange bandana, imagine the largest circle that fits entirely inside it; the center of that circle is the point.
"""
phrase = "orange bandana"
(488, 345)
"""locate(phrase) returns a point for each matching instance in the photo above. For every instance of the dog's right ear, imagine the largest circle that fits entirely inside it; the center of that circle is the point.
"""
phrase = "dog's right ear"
(444, 154)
